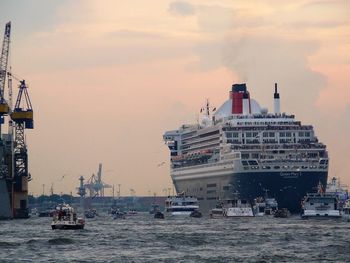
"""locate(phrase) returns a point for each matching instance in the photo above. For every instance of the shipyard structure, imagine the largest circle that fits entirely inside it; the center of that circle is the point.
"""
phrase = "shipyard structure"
(243, 150)
(14, 120)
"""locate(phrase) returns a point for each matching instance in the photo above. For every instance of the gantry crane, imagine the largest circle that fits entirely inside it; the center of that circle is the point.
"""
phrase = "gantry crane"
(6, 191)
(22, 116)
(4, 108)
(13, 149)
(95, 185)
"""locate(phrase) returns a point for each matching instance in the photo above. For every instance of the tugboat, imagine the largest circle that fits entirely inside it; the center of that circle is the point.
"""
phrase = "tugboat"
(265, 206)
(66, 218)
(181, 205)
(320, 205)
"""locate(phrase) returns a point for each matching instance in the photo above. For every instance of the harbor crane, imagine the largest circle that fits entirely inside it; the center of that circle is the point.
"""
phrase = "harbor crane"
(95, 185)
(4, 108)
(6, 194)
(14, 175)
(22, 116)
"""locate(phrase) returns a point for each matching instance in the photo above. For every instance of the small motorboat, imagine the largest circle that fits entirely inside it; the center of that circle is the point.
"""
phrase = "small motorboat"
(196, 214)
(65, 217)
(158, 215)
(282, 213)
(216, 212)
(132, 212)
(119, 215)
(89, 214)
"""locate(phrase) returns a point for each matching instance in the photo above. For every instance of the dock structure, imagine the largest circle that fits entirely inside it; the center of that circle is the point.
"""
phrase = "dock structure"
(14, 172)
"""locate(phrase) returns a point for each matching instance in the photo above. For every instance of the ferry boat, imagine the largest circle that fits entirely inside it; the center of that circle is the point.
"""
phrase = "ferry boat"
(242, 147)
(237, 208)
(320, 205)
(181, 205)
(232, 208)
(65, 217)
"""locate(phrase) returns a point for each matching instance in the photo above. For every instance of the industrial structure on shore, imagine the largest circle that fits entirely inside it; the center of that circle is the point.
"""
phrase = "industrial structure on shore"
(14, 174)
(94, 187)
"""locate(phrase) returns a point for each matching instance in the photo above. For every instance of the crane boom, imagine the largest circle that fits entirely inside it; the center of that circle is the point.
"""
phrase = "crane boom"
(4, 59)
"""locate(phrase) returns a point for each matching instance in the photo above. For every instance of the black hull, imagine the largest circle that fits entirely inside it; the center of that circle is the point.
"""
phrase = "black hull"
(289, 188)
(67, 227)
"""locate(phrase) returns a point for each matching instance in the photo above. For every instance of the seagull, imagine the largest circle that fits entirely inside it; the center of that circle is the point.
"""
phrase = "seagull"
(62, 177)
(161, 164)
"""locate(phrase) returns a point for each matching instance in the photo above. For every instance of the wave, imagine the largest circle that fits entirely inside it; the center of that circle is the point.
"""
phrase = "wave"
(4, 244)
(60, 241)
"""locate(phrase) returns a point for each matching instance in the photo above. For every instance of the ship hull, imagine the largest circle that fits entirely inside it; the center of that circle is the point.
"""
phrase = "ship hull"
(288, 188)
(67, 226)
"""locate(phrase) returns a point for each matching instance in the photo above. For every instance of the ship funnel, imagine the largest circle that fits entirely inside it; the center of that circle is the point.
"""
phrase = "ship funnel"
(276, 101)
(246, 103)
(237, 97)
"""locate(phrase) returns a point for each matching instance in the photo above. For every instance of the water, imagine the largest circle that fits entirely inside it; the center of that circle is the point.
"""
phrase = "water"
(143, 239)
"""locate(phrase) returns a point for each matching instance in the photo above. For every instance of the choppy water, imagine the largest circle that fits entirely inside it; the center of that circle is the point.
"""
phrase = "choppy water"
(143, 239)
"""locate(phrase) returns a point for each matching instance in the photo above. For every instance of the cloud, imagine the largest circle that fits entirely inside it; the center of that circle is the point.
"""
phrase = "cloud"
(261, 61)
(215, 18)
(264, 60)
(324, 2)
(181, 8)
(135, 34)
(316, 24)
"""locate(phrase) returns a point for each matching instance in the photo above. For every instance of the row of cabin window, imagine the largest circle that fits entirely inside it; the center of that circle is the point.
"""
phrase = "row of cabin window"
(266, 134)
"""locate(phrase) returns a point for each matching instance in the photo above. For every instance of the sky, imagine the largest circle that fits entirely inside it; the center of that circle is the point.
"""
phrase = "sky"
(107, 78)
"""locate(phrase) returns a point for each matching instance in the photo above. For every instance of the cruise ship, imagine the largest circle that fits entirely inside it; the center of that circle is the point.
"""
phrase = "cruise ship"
(242, 149)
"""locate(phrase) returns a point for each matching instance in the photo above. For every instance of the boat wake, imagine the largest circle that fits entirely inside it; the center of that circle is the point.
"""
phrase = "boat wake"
(61, 241)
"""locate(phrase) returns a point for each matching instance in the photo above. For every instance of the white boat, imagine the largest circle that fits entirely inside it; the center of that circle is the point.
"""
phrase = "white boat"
(320, 205)
(216, 212)
(181, 205)
(65, 217)
(237, 208)
(232, 208)
(346, 210)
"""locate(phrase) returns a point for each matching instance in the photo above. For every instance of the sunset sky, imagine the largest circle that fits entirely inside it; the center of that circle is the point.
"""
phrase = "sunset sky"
(108, 77)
